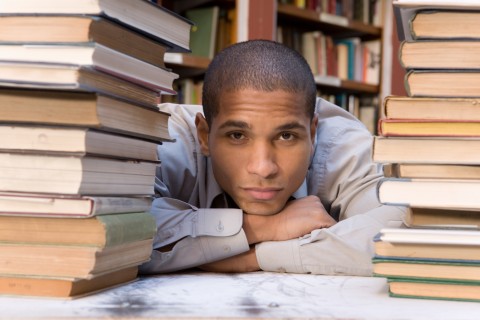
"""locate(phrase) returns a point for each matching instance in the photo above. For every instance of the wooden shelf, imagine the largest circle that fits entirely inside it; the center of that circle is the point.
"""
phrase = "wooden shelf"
(348, 86)
(336, 26)
(186, 64)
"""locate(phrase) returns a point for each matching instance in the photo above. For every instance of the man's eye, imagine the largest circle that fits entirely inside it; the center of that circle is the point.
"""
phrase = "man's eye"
(287, 136)
(237, 136)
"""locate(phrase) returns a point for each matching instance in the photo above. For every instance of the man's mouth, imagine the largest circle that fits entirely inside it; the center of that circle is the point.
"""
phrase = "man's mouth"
(262, 193)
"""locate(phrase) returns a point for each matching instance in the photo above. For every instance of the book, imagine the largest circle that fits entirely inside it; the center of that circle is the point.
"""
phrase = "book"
(102, 231)
(442, 218)
(423, 150)
(434, 289)
(448, 237)
(64, 287)
(204, 32)
(75, 78)
(74, 141)
(384, 248)
(37, 173)
(372, 60)
(92, 55)
(430, 193)
(80, 30)
(426, 269)
(143, 16)
(20, 259)
(72, 206)
(442, 83)
(92, 110)
(433, 171)
(406, 11)
(440, 54)
(428, 128)
(433, 108)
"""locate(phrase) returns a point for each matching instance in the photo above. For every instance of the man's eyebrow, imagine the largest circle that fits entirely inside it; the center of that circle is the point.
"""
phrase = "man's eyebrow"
(291, 126)
(235, 124)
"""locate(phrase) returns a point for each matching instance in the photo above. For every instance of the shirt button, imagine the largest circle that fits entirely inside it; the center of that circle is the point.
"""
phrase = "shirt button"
(220, 226)
(226, 248)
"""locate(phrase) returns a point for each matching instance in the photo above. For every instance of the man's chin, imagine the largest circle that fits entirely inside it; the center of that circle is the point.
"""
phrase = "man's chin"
(261, 209)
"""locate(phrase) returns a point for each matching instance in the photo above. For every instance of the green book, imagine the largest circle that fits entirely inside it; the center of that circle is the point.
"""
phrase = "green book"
(100, 231)
(204, 32)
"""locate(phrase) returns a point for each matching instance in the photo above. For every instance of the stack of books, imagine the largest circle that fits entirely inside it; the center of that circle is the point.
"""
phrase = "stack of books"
(429, 143)
(80, 84)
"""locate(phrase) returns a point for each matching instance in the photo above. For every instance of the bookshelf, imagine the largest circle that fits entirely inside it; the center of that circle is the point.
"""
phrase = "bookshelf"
(266, 19)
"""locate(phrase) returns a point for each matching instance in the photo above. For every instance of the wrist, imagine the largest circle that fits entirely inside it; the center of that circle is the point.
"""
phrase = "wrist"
(258, 228)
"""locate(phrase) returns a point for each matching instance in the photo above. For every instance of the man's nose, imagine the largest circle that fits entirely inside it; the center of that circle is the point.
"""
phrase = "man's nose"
(262, 160)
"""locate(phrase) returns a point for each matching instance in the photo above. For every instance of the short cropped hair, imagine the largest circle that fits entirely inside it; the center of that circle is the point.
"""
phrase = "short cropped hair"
(262, 65)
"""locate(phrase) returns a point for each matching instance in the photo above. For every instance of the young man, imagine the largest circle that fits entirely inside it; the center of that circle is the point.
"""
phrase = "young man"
(269, 177)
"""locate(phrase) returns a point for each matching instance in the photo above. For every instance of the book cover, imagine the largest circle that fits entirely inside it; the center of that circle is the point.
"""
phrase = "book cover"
(72, 206)
(64, 287)
(434, 289)
(428, 128)
(430, 193)
(37, 173)
(433, 108)
(422, 150)
(102, 231)
(92, 55)
(80, 30)
(75, 141)
(443, 83)
(76, 78)
(204, 32)
(442, 218)
(86, 262)
(431, 171)
(49, 107)
(143, 16)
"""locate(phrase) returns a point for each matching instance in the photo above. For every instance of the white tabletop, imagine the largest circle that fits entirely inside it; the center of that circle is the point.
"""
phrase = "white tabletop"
(254, 295)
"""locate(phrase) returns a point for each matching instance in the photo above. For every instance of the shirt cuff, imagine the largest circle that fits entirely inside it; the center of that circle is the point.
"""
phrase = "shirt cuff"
(279, 256)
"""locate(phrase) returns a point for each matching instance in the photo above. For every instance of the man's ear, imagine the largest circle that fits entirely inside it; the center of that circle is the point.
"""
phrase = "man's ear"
(202, 133)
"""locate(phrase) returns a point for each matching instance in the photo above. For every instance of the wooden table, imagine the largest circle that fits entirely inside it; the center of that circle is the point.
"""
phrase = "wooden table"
(251, 296)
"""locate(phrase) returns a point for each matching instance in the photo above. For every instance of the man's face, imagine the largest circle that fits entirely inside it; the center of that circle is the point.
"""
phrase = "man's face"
(260, 145)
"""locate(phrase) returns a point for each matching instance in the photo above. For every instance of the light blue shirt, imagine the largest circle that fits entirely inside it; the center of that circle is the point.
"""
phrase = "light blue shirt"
(192, 210)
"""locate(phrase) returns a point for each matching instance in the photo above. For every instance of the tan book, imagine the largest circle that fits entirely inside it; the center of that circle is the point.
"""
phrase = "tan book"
(72, 206)
(428, 128)
(442, 218)
(75, 78)
(80, 30)
(102, 231)
(86, 262)
(434, 289)
(75, 141)
(431, 171)
(64, 287)
(465, 151)
(430, 193)
(447, 24)
(440, 54)
(147, 17)
(443, 83)
(69, 206)
(37, 173)
(432, 108)
(47, 107)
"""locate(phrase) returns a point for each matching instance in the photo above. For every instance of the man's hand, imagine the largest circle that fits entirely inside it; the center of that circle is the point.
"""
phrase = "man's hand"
(297, 218)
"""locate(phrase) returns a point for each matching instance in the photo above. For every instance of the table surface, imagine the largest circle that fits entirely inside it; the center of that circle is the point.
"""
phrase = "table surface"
(256, 295)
